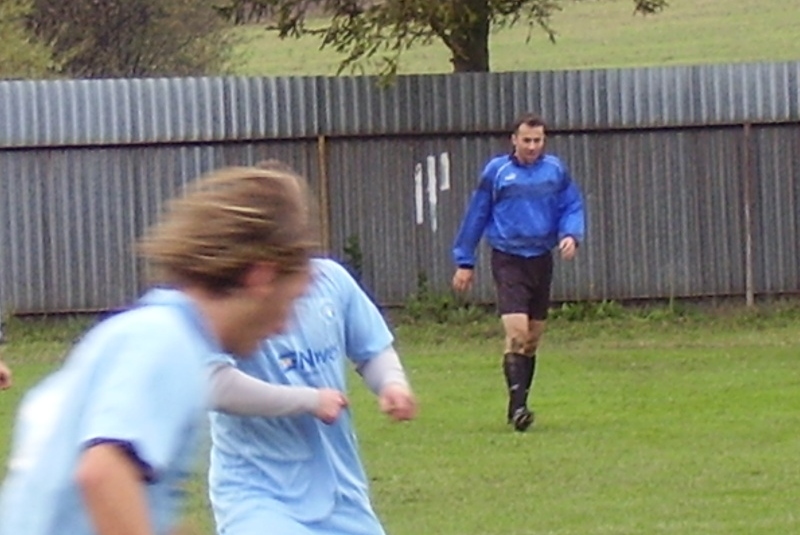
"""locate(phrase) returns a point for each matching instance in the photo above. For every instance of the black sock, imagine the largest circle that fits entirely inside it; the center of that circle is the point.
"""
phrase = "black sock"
(515, 368)
(529, 373)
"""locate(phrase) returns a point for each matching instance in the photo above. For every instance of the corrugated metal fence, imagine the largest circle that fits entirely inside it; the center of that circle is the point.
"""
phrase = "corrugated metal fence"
(691, 174)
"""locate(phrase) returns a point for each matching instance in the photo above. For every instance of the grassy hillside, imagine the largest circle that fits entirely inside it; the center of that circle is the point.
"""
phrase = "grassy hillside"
(591, 34)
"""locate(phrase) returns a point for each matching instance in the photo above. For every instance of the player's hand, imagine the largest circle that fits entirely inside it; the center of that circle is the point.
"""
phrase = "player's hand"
(568, 247)
(5, 376)
(462, 280)
(398, 402)
(331, 403)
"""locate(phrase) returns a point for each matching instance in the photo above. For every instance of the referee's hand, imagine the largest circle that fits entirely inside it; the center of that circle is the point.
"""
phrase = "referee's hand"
(462, 280)
(568, 247)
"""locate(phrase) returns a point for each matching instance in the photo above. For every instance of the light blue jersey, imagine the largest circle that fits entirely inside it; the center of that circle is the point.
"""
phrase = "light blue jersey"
(297, 470)
(137, 379)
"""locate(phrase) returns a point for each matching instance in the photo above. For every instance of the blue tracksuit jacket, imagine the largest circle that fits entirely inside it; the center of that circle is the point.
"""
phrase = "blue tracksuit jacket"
(523, 209)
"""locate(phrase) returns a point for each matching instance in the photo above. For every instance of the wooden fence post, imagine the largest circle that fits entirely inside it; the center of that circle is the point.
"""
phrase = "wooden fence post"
(748, 215)
(324, 194)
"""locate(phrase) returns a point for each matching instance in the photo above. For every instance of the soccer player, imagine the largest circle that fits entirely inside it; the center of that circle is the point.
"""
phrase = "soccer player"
(103, 445)
(527, 204)
(278, 463)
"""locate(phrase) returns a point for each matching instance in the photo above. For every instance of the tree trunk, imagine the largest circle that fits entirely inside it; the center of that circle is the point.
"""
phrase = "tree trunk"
(469, 38)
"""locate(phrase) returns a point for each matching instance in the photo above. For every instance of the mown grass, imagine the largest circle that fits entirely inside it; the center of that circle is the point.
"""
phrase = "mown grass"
(667, 420)
(591, 34)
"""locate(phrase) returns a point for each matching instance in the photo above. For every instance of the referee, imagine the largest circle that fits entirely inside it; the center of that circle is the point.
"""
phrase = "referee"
(527, 205)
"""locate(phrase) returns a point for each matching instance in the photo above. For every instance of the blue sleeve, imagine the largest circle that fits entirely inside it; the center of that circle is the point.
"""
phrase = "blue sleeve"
(475, 221)
(572, 220)
(365, 331)
(145, 397)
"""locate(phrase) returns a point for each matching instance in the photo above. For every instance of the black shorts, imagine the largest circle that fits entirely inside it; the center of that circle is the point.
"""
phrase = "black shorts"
(523, 284)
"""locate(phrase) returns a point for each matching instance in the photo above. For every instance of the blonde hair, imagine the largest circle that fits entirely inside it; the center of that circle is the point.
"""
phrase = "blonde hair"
(274, 164)
(229, 220)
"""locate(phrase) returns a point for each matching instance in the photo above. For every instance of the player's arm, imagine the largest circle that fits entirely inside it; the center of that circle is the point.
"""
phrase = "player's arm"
(112, 485)
(474, 222)
(368, 344)
(382, 370)
(235, 392)
(134, 428)
(385, 376)
(572, 220)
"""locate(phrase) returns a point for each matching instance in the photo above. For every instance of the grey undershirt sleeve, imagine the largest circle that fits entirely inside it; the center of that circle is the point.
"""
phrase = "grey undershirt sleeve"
(235, 392)
(382, 369)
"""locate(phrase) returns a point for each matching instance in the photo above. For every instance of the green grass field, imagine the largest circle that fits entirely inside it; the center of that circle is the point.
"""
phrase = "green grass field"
(665, 422)
(591, 34)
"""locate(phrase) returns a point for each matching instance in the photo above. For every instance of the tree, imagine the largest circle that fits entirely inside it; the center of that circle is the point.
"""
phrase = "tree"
(366, 29)
(21, 56)
(132, 38)
(245, 11)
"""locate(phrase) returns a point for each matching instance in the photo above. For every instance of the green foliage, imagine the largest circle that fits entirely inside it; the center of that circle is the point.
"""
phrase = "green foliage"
(21, 55)
(587, 310)
(354, 256)
(366, 32)
(245, 11)
(673, 310)
(586, 319)
(426, 306)
(132, 38)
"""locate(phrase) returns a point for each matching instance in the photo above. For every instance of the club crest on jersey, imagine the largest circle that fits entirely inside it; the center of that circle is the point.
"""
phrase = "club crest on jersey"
(328, 312)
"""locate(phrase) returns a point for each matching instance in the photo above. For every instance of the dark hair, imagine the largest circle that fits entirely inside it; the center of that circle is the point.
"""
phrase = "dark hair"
(529, 119)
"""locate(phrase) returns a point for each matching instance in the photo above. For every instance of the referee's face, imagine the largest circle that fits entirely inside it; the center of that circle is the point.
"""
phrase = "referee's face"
(528, 143)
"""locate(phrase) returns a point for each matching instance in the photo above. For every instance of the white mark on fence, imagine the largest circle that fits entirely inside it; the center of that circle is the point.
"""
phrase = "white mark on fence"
(436, 182)
(419, 210)
(432, 195)
(444, 171)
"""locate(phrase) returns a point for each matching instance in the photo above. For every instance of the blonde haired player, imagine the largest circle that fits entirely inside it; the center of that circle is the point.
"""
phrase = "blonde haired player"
(104, 444)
